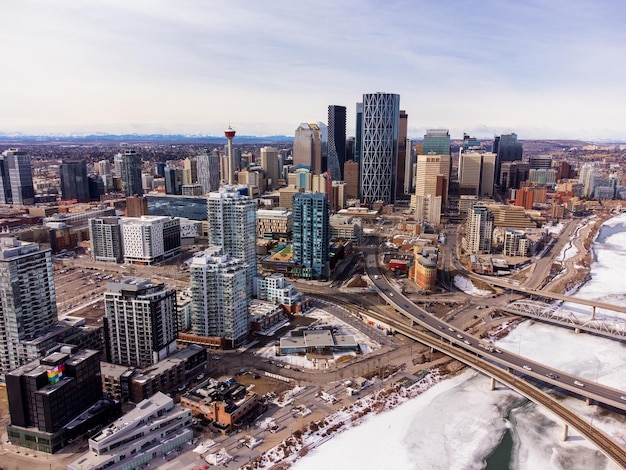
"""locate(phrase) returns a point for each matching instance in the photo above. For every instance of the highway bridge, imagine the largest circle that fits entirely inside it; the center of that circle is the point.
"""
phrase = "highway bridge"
(613, 329)
(594, 304)
(507, 368)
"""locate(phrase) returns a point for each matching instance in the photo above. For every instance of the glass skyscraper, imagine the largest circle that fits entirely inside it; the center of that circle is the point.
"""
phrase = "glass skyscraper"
(311, 234)
(336, 141)
(379, 140)
(131, 173)
(16, 178)
(436, 141)
(74, 183)
(507, 149)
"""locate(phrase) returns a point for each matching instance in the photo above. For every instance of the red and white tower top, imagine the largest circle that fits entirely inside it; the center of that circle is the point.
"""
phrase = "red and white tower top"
(229, 133)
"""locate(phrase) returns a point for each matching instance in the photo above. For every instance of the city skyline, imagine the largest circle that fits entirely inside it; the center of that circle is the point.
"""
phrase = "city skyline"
(486, 68)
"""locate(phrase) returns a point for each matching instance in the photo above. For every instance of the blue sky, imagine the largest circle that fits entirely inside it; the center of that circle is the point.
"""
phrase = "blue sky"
(543, 69)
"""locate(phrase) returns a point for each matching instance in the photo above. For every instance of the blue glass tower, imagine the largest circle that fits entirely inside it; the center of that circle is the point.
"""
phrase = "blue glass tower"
(311, 234)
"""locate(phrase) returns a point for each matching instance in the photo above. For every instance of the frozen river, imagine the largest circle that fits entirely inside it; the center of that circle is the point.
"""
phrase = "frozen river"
(460, 424)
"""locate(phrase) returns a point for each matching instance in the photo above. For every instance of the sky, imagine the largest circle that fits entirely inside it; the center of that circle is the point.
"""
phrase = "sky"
(540, 68)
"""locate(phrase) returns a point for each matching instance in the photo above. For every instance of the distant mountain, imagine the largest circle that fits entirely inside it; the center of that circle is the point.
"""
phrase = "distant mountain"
(181, 138)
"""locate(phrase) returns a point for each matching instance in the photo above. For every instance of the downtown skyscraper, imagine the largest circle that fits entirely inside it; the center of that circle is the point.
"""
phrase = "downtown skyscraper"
(16, 178)
(131, 173)
(507, 149)
(379, 141)
(74, 183)
(336, 141)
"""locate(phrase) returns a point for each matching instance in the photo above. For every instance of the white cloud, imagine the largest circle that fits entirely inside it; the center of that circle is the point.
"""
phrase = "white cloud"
(544, 69)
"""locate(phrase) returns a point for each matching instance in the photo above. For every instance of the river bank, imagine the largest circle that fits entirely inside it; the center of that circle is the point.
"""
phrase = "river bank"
(574, 267)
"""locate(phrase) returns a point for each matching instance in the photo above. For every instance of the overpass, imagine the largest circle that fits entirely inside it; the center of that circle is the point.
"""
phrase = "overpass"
(613, 329)
(594, 304)
(493, 365)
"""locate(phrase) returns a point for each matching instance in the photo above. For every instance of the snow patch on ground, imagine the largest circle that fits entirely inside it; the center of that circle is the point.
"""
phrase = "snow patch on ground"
(466, 286)
(348, 417)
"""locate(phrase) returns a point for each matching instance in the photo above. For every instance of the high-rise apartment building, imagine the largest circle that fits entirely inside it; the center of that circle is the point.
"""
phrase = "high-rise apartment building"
(380, 127)
(307, 147)
(139, 322)
(106, 239)
(336, 141)
(74, 184)
(311, 234)
(208, 171)
(218, 290)
(232, 225)
(271, 165)
(507, 149)
(27, 299)
(150, 239)
(480, 223)
(131, 173)
(16, 178)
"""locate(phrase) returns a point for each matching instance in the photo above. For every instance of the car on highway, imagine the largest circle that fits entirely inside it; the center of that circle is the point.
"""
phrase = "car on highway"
(527, 367)
(467, 342)
(442, 327)
(497, 351)
(406, 305)
(459, 336)
(579, 383)
(622, 398)
(552, 375)
(422, 315)
(451, 329)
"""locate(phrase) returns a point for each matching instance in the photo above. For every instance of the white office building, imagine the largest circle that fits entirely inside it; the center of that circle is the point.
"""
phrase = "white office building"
(150, 239)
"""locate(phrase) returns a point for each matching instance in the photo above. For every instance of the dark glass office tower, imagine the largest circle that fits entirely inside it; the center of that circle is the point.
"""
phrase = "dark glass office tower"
(74, 183)
(336, 141)
(131, 173)
(507, 149)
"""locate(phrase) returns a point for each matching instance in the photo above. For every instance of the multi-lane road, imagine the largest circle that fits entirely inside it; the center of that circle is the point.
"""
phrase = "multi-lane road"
(515, 363)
